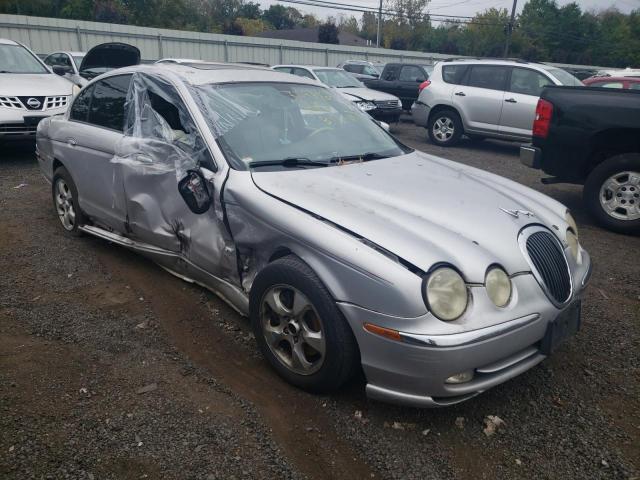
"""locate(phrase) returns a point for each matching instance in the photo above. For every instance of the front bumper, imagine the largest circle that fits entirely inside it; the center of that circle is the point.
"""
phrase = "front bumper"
(22, 124)
(413, 371)
(420, 113)
(386, 113)
(531, 156)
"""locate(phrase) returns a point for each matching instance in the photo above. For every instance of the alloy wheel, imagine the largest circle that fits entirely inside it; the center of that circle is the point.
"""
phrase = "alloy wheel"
(443, 129)
(292, 329)
(64, 204)
(620, 195)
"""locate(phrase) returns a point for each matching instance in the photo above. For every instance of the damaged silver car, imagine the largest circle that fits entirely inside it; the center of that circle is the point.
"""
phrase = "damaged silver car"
(347, 249)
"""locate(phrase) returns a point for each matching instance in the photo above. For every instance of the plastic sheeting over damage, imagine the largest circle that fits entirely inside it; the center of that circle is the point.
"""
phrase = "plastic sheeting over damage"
(160, 147)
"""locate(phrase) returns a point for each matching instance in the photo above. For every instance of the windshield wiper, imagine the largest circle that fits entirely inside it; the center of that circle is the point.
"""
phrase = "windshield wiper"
(363, 157)
(289, 162)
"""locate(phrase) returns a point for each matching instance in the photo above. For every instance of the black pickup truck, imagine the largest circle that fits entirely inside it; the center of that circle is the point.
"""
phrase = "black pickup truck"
(402, 80)
(591, 136)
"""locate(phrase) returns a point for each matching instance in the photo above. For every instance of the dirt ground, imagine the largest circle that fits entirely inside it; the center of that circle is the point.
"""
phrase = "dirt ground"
(111, 368)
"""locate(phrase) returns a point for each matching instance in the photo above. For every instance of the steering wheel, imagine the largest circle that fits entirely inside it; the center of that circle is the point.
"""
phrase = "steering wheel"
(319, 130)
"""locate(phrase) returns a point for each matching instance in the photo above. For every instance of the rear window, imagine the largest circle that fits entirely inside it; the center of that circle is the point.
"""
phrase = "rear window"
(454, 73)
(564, 77)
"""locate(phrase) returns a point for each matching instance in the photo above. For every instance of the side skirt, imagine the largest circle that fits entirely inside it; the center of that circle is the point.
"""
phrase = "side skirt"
(174, 262)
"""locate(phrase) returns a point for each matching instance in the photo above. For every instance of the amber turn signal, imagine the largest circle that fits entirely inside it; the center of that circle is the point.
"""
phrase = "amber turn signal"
(383, 332)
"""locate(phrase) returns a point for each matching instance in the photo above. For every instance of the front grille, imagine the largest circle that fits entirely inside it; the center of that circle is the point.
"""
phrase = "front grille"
(56, 102)
(33, 103)
(17, 129)
(386, 104)
(10, 102)
(546, 257)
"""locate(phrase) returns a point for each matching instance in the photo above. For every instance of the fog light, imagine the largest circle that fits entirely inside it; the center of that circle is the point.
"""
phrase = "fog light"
(462, 377)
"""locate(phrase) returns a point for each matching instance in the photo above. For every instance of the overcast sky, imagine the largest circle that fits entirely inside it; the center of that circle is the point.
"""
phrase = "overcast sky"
(462, 7)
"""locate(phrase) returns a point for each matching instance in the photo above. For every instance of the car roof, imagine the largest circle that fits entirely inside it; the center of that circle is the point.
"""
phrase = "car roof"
(496, 61)
(6, 41)
(212, 73)
(612, 79)
(73, 54)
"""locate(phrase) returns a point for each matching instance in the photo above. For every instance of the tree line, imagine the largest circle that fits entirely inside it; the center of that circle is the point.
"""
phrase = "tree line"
(543, 31)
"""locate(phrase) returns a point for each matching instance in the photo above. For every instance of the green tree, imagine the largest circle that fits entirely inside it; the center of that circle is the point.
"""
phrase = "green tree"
(328, 33)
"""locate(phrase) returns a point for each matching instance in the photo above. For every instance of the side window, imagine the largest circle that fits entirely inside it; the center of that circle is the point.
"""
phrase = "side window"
(368, 70)
(301, 72)
(528, 82)
(80, 108)
(488, 76)
(64, 61)
(391, 72)
(283, 69)
(454, 73)
(50, 60)
(411, 73)
(107, 107)
(634, 85)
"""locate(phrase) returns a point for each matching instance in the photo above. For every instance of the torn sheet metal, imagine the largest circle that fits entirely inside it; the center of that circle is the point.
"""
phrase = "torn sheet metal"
(161, 144)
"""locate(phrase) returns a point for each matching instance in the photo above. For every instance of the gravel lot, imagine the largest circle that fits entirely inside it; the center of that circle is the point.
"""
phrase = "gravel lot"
(111, 368)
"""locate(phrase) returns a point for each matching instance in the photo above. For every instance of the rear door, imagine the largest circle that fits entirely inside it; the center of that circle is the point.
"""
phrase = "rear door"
(88, 143)
(389, 80)
(520, 100)
(479, 100)
(411, 76)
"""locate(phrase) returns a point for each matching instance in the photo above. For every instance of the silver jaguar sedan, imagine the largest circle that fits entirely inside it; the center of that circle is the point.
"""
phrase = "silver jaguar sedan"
(347, 249)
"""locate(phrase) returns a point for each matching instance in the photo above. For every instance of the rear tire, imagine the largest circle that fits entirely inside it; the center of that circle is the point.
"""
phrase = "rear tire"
(445, 128)
(65, 202)
(299, 328)
(612, 193)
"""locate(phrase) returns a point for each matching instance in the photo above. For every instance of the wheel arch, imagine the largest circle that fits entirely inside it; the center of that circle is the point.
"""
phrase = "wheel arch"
(442, 107)
(610, 142)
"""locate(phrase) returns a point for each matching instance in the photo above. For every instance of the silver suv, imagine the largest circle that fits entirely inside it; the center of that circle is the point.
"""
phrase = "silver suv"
(483, 98)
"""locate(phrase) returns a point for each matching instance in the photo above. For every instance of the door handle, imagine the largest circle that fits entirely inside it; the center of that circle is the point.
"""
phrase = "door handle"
(72, 141)
(511, 100)
(461, 94)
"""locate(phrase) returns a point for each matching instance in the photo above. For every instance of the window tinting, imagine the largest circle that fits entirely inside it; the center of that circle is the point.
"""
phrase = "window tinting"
(107, 107)
(488, 76)
(607, 84)
(528, 82)
(391, 72)
(454, 73)
(410, 73)
(283, 69)
(80, 107)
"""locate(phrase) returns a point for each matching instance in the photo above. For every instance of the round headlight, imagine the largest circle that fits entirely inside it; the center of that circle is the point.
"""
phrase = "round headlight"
(498, 285)
(571, 222)
(446, 294)
(574, 246)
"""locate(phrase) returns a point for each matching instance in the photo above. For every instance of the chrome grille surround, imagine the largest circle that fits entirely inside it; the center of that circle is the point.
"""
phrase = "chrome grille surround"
(546, 257)
(386, 104)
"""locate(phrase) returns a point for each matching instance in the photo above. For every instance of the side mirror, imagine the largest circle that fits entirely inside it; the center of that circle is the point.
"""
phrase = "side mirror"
(60, 70)
(195, 192)
(375, 75)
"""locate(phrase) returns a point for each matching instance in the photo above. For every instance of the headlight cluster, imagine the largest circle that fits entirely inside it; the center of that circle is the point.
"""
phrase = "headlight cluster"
(366, 106)
(572, 237)
(447, 295)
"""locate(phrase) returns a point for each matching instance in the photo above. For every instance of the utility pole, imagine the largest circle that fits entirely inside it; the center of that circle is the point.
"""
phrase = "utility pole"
(510, 29)
(379, 21)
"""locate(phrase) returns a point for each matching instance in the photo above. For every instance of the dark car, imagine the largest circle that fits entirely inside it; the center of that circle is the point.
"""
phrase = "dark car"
(402, 80)
(591, 136)
(625, 83)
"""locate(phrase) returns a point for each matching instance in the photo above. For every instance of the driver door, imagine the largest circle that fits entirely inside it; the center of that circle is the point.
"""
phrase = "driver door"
(162, 145)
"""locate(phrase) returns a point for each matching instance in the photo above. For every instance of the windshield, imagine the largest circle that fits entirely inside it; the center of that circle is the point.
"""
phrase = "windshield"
(270, 122)
(17, 59)
(564, 77)
(77, 59)
(337, 78)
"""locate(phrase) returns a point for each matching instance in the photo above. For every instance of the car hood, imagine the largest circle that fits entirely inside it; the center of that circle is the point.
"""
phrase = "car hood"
(108, 56)
(423, 209)
(35, 85)
(355, 94)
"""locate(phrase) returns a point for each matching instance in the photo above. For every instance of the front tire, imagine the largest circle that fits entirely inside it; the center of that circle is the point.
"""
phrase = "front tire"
(299, 328)
(65, 202)
(612, 193)
(445, 128)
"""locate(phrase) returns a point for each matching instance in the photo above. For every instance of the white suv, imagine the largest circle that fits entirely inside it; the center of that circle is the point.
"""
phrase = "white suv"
(29, 92)
(483, 98)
